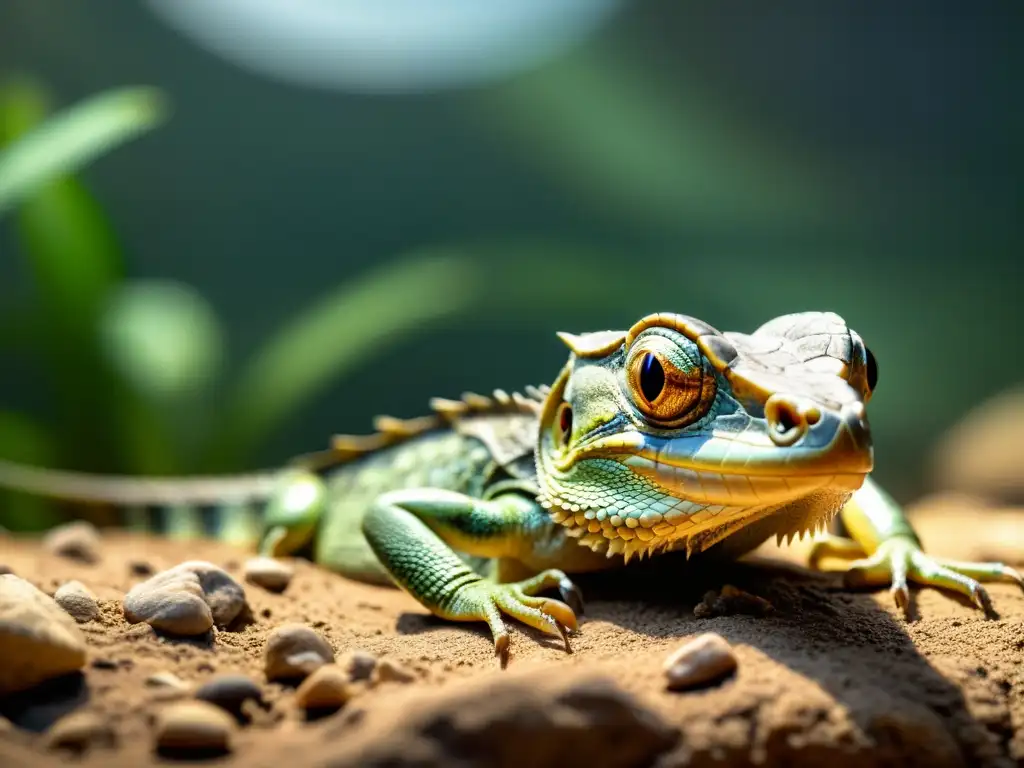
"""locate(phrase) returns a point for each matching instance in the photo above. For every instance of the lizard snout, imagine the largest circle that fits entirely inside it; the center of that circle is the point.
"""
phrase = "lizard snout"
(842, 436)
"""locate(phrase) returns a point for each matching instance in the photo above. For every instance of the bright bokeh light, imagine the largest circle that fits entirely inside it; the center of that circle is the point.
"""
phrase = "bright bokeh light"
(385, 45)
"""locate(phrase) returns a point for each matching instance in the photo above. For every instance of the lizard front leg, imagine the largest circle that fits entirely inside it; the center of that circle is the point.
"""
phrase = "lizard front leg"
(292, 512)
(413, 532)
(889, 552)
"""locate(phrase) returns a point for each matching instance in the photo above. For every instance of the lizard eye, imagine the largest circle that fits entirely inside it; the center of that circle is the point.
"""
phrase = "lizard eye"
(872, 366)
(651, 377)
(669, 381)
(564, 422)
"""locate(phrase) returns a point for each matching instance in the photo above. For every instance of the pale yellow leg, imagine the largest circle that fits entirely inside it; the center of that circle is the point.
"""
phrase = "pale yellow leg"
(894, 555)
(829, 545)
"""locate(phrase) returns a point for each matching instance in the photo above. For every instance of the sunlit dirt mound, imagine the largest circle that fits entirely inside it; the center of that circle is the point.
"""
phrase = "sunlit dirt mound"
(829, 677)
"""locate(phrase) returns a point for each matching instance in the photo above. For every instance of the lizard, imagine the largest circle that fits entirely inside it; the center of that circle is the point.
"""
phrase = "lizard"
(668, 436)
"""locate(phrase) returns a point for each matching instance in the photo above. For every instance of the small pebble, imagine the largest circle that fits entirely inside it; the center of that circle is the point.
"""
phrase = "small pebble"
(188, 599)
(79, 540)
(293, 651)
(193, 726)
(705, 659)
(388, 671)
(79, 731)
(273, 575)
(166, 680)
(39, 641)
(731, 601)
(75, 598)
(140, 568)
(230, 692)
(326, 689)
(358, 664)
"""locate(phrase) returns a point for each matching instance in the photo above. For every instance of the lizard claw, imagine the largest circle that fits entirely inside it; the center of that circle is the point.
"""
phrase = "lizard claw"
(487, 600)
(571, 595)
(899, 561)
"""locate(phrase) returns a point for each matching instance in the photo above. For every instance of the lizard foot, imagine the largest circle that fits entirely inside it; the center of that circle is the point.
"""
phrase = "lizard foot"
(900, 560)
(486, 600)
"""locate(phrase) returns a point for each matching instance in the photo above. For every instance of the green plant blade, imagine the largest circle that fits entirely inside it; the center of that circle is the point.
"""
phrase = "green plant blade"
(163, 338)
(336, 334)
(74, 137)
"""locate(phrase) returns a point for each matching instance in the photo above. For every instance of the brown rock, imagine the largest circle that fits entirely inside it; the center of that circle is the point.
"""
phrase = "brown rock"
(388, 671)
(293, 651)
(38, 640)
(79, 731)
(328, 688)
(534, 719)
(188, 599)
(79, 540)
(75, 598)
(731, 601)
(194, 726)
(140, 568)
(230, 692)
(273, 575)
(703, 660)
(358, 664)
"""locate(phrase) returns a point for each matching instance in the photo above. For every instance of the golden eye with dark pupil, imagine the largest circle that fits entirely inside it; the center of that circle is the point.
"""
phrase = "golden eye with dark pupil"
(668, 393)
(652, 377)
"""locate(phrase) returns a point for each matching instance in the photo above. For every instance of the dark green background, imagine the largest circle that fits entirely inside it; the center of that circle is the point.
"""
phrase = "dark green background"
(727, 160)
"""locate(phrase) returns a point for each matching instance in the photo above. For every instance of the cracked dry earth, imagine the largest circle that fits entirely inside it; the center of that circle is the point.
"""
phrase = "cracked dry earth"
(829, 677)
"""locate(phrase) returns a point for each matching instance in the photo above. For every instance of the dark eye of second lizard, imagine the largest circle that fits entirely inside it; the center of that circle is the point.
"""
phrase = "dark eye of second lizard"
(565, 420)
(872, 370)
(652, 377)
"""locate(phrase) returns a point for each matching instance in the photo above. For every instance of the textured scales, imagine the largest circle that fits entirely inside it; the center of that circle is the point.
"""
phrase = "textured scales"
(503, 421)
(611, 510)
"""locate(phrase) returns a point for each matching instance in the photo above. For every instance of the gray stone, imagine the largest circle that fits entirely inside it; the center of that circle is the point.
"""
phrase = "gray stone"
(38, 640)
(75, 598)
(80, 731)
(188, 599)
(193, 726)
(705, 659)
(230, 692)
(79, 540)
(327, 688)
(273, 575)
(293, 651)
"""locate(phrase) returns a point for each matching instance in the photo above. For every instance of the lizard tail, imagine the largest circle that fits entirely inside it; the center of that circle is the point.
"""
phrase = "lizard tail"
(128, 490)
(180, 499)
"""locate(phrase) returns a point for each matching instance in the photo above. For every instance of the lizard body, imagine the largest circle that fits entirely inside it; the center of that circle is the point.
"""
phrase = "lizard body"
(668, 436)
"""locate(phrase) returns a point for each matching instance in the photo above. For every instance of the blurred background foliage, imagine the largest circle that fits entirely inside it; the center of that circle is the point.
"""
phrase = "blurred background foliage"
(352, 208)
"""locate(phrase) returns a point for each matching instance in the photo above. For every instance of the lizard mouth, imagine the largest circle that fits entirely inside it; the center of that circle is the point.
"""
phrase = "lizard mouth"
(745, 468)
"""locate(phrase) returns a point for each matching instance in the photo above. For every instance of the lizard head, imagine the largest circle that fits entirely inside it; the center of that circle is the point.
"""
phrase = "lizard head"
(674, 435)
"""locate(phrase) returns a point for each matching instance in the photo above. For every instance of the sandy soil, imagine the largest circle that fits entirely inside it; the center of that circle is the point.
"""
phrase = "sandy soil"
(831, 677)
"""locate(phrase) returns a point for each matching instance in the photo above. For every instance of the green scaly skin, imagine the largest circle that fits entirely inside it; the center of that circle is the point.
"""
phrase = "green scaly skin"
(668, 436)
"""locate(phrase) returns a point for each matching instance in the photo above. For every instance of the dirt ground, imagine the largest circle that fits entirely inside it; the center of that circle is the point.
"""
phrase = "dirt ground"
(830, 677)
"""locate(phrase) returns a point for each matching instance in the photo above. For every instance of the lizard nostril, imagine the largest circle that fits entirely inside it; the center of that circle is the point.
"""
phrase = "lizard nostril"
(786, 422)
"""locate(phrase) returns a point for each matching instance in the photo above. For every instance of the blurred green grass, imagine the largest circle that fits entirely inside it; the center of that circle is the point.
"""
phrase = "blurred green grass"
(136, 368)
